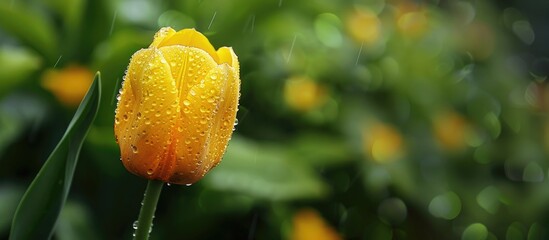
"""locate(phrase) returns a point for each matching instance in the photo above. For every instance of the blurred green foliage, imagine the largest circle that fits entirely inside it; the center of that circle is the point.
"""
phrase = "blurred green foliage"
(394, 119)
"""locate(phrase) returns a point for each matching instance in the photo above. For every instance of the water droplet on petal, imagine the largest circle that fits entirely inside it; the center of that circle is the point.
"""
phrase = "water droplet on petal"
(134, 149)
(186, 102)
(150, 171)
(135, 225)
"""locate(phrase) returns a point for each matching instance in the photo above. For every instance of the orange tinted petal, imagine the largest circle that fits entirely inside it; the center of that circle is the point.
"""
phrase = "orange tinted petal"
(146, 116)
(224, 120)
(198, 121)
(190, 38)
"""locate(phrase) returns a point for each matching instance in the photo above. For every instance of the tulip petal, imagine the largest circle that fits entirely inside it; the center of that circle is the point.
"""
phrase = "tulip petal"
(188, 65)
(161, 35)
(199, 120)
(224, 121)
(190, 38)
(227, 55)
(146, 116)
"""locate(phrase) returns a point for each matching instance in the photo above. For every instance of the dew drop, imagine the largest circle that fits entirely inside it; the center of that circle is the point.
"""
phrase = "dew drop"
(157, 114)
(168, 184)
(188, 184)
(116, 120)
(125, 116)
(134, 149)
(192, 92)
(202, 121)
(213, 77)
(135, 225)
(168, 111)
(149, 171)
(236, 121)
(186, 102)
(118, 97)
(138, 115)
(147, 121)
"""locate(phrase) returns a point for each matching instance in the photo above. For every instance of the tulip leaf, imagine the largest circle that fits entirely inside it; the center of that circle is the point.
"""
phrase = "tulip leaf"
(265, 172)
(29, 27)
(39, 209)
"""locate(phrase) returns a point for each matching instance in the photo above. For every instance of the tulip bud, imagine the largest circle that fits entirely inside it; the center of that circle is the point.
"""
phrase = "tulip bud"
(177, 107)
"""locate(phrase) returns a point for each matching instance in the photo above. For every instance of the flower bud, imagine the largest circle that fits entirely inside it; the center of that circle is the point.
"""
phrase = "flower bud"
(177, 107)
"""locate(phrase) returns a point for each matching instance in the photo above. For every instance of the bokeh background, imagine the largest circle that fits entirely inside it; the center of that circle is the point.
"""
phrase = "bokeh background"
(372, 119)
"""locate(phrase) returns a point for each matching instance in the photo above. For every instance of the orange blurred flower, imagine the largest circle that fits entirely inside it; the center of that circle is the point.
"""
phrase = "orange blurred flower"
(451, 130)
(309, 225)
(177, 107)
(303, 94)
(68, 85)
(382, 142)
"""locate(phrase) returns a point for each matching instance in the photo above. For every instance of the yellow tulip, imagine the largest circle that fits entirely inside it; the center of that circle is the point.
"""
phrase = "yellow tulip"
(177, 107)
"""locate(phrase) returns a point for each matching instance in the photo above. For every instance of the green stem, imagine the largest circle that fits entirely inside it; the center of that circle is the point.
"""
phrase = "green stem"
(146, 215)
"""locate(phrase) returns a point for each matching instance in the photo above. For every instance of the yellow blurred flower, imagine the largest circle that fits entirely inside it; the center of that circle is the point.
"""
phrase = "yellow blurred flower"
(68, 85)
(382, 142)
(177, 107)
(303, 94)
(451, 130)
(364, 26)
(411, 18)
(309, 225)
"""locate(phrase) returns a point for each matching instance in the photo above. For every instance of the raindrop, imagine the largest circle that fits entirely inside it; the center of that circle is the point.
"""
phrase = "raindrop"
(236, 122)
(125, 116)
(134, 149)
(150, 171)
(116, 120)
(186, 102)
(135, 224)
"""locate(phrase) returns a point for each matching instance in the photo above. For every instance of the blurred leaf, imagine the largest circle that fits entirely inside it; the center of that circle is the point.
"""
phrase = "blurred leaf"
(16, 65)
(9, 197)
(71, 11)
(263, 171)
(19, 111)
(29, 27)
(320, 150)
(39, 209)
(74, 223)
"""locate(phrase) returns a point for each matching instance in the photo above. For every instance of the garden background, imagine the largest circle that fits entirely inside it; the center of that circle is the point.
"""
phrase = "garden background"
(372, 119)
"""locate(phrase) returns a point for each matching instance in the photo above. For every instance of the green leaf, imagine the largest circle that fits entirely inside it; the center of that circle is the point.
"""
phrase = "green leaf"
(41, 204)
(265, 172)
(9, 197)
(29, 27)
